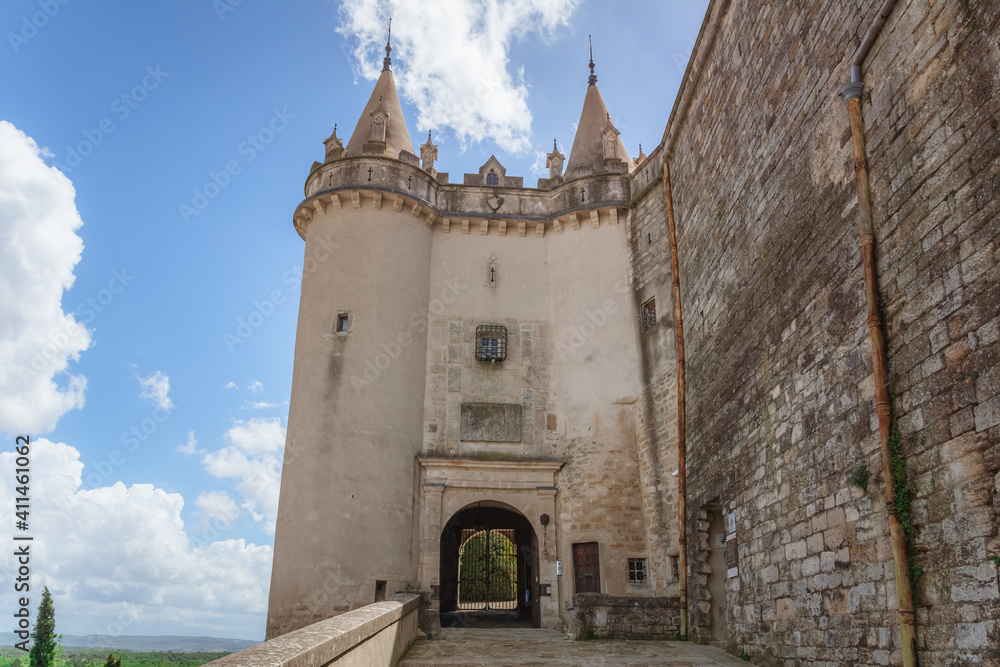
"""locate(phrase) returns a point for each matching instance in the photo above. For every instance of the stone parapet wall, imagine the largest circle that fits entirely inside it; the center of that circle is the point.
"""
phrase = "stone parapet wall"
(377, 635)
(599, 616)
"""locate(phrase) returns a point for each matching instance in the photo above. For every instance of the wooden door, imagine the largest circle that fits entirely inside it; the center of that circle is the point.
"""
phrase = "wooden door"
(587, 567)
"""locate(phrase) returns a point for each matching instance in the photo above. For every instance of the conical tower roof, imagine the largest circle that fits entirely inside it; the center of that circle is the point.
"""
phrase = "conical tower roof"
(384, 97)
(589, 156)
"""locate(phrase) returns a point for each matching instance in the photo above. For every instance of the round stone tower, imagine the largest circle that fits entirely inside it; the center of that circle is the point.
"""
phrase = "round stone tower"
(344, 530)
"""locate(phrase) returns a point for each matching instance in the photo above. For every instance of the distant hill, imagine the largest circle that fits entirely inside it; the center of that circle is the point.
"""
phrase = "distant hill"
(146, 643)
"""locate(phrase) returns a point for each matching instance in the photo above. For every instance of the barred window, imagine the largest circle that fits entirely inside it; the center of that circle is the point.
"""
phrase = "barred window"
(636, 570)
(492, 178)
(648, 314)
(491, 342)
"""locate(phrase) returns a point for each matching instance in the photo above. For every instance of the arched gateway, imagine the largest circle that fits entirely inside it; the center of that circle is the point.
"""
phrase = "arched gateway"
(489, 565)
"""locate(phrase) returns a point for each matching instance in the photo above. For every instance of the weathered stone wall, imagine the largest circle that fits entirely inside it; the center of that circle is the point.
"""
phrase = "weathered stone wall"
(651, 278)
(598, 616)
(455, 378)
(779, 387)
(933, 146)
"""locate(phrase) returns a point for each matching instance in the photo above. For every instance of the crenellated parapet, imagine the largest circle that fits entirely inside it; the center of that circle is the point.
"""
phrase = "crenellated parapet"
(350, 183)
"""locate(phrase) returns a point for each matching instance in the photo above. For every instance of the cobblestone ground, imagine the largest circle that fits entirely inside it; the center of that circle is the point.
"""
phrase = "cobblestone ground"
(549, 648)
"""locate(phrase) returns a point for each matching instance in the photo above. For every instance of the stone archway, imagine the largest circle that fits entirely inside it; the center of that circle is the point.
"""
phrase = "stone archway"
(449, 487)
(489, 565)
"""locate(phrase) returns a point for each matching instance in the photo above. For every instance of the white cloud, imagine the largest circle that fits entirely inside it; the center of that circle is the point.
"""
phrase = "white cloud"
(255, 386)
(116, 555)
(253, 458)
(218, 505)
(259, 405)
(191, 446)
(156, 389)
(471, 90)
(38, 223)
(257, 435)
(538, 167)
(230, 385)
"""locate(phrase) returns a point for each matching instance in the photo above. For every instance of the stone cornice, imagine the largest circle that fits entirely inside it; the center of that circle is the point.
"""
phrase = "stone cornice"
(443, 462)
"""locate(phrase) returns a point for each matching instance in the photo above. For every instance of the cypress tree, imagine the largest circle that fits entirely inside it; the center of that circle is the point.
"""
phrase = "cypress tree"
(46, 649)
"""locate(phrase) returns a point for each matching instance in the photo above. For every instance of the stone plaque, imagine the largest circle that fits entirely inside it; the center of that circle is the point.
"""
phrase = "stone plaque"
(491, 422)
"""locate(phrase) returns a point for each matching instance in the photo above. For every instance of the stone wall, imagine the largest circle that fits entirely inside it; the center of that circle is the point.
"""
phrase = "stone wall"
(376, 635)
(598, 616)
(651, 278)
(780, 396)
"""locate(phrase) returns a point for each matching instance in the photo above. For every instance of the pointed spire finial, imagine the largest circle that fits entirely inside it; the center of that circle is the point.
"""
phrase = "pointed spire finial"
(554, 145)
(593, 77)
(387, 62)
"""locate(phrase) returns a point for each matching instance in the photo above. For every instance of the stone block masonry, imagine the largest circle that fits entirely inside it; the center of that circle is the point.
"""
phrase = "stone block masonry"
(780, 407)
(599, 616)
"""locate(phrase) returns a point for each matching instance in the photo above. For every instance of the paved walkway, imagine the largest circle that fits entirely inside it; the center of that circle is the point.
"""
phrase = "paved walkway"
(550, 648)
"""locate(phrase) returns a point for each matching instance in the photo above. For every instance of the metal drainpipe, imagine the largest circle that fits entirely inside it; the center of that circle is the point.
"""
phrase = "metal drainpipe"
(681, 476)
(852, 94)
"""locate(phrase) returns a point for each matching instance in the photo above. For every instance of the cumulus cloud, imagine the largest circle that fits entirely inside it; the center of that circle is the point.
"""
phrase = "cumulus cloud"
(191, 446)
(118, 557)
(472, 91)
(255, 386)
(38, 223)
(253, 459)
(156, 389)
(218, 505)
(230, 385)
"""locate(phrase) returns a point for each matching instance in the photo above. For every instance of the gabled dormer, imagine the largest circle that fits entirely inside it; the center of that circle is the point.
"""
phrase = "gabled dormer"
(493, 173)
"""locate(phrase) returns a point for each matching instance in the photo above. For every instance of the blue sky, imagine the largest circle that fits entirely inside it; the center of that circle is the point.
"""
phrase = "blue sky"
(147, 325)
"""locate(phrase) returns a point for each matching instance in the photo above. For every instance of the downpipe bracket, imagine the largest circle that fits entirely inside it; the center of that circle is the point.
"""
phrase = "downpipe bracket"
(852, 90)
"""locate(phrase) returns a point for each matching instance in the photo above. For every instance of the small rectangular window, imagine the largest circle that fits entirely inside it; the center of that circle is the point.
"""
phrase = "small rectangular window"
(342, 323)
(379, 590)
(491, 342)
(648, 314)
(675, 565)
(636, 570)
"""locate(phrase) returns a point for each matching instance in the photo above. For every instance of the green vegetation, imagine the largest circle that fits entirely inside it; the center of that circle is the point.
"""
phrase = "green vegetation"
(745, 657)
(99, 657)
(488, 557)
(861, 476)
(904, 496)
(996, 560)
(45, 649)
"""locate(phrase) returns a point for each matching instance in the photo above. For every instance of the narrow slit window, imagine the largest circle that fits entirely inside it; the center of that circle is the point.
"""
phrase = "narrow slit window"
(343, 321)
(648, 313)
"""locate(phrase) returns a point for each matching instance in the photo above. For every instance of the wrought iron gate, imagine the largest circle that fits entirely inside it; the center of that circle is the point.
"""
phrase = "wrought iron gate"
(487, 569)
